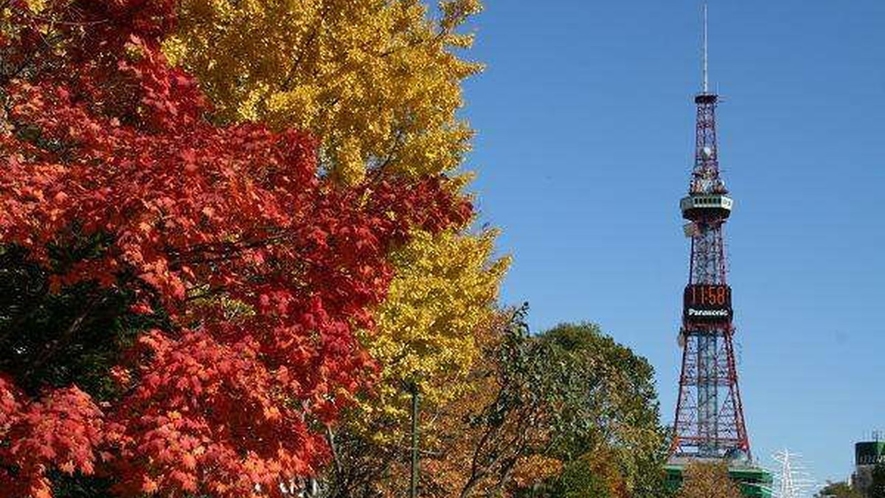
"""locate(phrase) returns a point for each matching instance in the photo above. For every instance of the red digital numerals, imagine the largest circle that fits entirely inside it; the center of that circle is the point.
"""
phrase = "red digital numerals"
(707, 304)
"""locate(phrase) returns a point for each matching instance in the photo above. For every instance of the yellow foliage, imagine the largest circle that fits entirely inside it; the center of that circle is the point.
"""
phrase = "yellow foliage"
(376, 80)
(36, 5)
(444, 291)
(535, 468)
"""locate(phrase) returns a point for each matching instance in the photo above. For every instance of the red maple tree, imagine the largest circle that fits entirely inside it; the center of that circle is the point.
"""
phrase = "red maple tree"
(226, 270)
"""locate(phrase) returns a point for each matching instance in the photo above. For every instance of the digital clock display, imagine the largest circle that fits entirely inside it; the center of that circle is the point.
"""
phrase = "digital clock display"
(707, 304)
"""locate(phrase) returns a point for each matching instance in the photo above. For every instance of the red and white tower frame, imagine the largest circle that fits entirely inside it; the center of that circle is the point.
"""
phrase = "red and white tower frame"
(709, 414)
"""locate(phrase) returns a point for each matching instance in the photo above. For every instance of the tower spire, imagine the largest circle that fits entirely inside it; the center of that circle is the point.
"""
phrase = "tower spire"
(706, 58)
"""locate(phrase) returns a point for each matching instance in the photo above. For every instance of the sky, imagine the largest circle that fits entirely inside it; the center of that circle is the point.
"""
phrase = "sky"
(585, 133)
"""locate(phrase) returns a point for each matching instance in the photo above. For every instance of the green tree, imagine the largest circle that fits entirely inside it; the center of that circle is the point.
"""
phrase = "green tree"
(579, 480)
(610, 412)
(708, 480)
(838, 490)
(570, 395)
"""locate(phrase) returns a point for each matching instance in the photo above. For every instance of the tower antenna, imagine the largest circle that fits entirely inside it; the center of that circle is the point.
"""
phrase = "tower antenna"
(706, 71)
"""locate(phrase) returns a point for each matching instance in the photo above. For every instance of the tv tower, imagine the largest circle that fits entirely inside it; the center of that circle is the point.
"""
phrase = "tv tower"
(709, 414)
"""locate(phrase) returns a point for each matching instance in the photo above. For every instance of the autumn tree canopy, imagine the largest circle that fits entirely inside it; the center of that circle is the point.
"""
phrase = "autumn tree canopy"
(378, 83)
(708, 480)
(180, 298)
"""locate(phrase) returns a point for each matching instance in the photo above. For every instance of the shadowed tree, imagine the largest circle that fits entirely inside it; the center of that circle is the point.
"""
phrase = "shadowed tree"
(877, 485)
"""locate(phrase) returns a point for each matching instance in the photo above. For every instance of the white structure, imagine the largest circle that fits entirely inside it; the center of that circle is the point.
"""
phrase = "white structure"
(792, 480)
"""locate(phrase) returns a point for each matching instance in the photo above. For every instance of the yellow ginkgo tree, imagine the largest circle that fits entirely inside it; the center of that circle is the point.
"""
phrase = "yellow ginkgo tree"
(428, 322)
(378, 81)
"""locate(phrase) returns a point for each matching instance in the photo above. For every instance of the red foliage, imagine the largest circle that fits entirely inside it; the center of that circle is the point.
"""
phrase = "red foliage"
(264, 267)
(60, 430)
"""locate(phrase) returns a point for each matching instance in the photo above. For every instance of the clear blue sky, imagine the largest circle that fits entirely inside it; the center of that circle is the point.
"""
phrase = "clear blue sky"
(585, 132)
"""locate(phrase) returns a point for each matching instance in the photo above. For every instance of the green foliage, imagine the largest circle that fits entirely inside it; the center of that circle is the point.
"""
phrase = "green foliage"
(838, 490)
(609, 407)
(73, 336)
(578, 480)
(877, 486)
(570, 395)
(79, 486)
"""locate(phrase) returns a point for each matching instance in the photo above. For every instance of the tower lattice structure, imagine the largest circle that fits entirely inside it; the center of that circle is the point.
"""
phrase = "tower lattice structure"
(709, 413)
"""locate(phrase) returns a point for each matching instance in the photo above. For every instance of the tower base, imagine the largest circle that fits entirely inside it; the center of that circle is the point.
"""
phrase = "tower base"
(754, 481)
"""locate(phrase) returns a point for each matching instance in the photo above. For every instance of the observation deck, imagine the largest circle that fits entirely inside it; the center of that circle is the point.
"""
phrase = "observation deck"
(697, 207)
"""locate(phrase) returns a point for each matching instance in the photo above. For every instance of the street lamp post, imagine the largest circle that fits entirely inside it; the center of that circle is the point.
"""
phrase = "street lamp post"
(413, 486)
